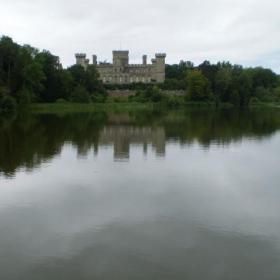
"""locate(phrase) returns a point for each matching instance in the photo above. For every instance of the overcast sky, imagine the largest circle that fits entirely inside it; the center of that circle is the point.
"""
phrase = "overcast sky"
(245, 32)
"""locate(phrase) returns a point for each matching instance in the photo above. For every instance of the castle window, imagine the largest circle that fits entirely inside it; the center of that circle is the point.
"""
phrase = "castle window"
(130, 79)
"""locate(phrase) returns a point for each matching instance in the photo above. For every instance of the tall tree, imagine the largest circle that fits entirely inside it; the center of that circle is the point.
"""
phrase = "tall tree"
(8, 52)
(198, 86)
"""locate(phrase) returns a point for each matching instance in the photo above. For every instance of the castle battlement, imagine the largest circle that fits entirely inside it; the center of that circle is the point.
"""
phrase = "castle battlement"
(124, 52)
(138, 65)
(80, 55)
(160, 55)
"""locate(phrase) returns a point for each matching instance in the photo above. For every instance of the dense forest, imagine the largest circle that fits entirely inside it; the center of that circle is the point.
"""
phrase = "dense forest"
(28, 75)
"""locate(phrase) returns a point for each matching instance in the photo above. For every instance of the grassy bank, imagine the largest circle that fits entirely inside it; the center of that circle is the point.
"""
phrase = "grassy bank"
(124, 103)
(46, 107)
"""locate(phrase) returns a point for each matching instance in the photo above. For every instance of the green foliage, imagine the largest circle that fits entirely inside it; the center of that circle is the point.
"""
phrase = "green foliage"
(34, 76)
(80, 95)
(254, 100)
(98, 97)
(209, 71)
(276, 93)
(61, 101)
(174, 100)
(151, 94)
(198, 86)
(263, 77)
(178, 71)
(24, 97)
(234, 98)
(8, 104)
(52, 84)
(89, 79)
(173, 84)
(2, 76)
(223, 82)
(264, 94)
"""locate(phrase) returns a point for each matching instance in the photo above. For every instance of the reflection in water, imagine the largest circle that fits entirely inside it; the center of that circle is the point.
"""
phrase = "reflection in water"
(28, 140)
(123, 136)
(200, 212)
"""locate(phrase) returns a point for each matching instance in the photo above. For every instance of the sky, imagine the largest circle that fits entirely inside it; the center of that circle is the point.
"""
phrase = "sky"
(245, 32)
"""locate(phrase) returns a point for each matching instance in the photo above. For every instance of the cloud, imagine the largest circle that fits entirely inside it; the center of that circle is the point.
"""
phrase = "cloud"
(239, 31)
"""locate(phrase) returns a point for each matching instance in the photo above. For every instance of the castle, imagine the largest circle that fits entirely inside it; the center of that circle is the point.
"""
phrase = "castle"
(121, 72)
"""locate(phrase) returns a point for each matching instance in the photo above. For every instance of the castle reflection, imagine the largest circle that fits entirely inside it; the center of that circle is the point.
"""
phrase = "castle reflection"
(122, 137)
(30, 139)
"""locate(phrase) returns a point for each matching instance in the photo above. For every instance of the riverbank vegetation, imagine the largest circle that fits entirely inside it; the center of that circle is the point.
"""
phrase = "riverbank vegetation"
(28, 76)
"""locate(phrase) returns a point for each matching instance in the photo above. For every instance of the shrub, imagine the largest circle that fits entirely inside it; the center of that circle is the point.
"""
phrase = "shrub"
(80, 95)
(174, 101)
(61, 101)
(8, 104)
(254, 100)
(98, 97)
(24, 97)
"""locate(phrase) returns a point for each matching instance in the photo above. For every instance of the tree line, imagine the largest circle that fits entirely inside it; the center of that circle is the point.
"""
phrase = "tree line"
(224, 82)
(28, 75)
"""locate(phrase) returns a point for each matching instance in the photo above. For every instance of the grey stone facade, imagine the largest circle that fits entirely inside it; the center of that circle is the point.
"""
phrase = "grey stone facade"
(121, 72)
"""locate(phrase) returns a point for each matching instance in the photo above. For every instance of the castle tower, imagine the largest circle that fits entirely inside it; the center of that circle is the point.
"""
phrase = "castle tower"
(120, 58)
(81, 59)
(160, 67)
(94, 59)
(144, 59)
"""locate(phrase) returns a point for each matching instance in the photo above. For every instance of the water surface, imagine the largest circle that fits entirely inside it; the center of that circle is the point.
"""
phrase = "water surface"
(140, 194)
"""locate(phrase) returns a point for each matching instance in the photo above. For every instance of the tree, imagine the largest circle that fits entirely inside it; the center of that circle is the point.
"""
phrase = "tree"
(33, 76)
(234, 98)
(8, 104)
(80, 95)
(209, 71)
(244, 87)
(223, 82)
(78, 74)
(198, 86)
(178, 71)
(263, 77)
(8, 52)
(51, 68)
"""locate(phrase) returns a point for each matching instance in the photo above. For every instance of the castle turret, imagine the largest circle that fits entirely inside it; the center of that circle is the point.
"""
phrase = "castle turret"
(81, 59)
(160, 67)
(94, 59)
(144, 58)
(120, 58)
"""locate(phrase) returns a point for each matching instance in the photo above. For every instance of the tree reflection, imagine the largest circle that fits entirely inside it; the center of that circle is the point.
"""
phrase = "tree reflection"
(29, 139)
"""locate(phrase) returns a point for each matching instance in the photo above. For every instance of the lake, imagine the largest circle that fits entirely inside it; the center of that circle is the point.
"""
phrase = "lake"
(140, 194)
